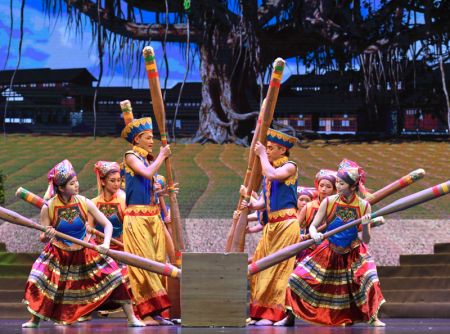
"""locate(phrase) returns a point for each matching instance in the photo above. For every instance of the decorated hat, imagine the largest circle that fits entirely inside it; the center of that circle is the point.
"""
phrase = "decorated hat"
(102, 168)
(352, 173)
(133, 127)
(136, 127)
(325, 174)
(307, 191)
(281, 138)
(59, 175)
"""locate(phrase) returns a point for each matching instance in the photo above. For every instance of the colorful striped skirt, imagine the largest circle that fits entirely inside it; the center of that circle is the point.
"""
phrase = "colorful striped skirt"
(66, 285)
(335, 289)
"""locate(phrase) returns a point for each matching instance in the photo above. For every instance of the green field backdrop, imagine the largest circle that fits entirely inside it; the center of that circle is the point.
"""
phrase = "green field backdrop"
(210, 175)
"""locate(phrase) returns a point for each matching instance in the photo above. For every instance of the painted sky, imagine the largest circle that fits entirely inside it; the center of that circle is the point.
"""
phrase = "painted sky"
(47, 43)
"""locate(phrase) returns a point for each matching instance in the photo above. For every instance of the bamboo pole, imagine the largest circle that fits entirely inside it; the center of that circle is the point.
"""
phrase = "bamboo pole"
(165, 269)
(160, 115)
(39, 202)
(238, 242)
(397, 206)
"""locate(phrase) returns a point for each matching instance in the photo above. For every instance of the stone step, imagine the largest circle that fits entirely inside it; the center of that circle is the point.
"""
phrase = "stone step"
(412, 283)
(415, 270)
(13, 283)
(11, 296)
(417, 295)
(16, 310)
(424, 259)
(415, 310)
(14, 270)
(442, 248)
(18, 258)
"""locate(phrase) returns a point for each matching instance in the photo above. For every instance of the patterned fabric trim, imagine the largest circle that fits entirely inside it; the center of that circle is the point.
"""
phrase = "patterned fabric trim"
(142, 210)
(71, 296)
(283, 214)
(344, 250)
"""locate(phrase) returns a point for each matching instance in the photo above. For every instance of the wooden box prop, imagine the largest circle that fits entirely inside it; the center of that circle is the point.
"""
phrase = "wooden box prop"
(214, 290)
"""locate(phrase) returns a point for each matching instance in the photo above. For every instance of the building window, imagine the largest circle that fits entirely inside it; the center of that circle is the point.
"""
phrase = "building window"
(12, 96)
(178, 124)
(300, 123)
(322, 122)
(346, 123)
(19, 120)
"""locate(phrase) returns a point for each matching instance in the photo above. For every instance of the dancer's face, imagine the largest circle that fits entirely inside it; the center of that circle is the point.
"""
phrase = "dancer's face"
(302, 200)
(145, 141)
(325, 188)
(343, 188)
(111, 183)
(274, 151)
(71, 188)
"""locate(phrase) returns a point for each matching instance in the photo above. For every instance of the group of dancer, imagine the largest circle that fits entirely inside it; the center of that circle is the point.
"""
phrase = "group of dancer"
(333, 282)
(68, 282)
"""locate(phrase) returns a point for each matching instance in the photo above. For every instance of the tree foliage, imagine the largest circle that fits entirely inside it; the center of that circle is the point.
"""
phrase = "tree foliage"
(237, 41)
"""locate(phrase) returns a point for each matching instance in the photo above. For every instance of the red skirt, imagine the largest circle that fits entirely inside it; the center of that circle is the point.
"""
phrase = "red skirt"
(66, 285)
(335, 289)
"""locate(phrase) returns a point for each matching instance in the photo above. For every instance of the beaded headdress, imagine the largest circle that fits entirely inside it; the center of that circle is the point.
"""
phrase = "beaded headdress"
(101, 169)
(59, 175)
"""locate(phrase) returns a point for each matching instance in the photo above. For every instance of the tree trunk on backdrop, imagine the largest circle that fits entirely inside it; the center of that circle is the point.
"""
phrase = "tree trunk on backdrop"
(224, 104)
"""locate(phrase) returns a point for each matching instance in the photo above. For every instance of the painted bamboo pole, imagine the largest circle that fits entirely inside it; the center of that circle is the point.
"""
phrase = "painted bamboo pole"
(388, 190)
(160, 115)
(165, 269)
(248, 172)
(238, 242)
(396, 206)
(39, 202)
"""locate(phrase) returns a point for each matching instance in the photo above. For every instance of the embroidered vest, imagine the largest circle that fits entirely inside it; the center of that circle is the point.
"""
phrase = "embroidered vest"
(68, 218)
(339, 213)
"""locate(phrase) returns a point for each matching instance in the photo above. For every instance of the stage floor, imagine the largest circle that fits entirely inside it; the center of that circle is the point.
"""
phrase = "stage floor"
(113, 326)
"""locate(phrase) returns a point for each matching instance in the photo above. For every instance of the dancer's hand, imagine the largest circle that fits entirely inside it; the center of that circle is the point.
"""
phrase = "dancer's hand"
(260, 149)
(103, 248)
(244, 205)
(365, 219)
(164, 151)
(50, 232)
(317, 237)
(243, 190)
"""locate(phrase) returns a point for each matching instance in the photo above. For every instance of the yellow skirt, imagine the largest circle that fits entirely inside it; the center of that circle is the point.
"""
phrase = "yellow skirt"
(268, 288)
(143, 235)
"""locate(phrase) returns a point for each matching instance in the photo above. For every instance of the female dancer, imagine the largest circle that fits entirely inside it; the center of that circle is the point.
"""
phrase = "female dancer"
(337, 284)
(68, 281)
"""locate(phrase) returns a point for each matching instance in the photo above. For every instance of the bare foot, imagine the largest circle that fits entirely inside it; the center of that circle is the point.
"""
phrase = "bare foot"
(264, 322)
(30, 324)
(288, 321)
(377, 323)
(149, 321)
(135, 322)
(161, 321)
(85, 318)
